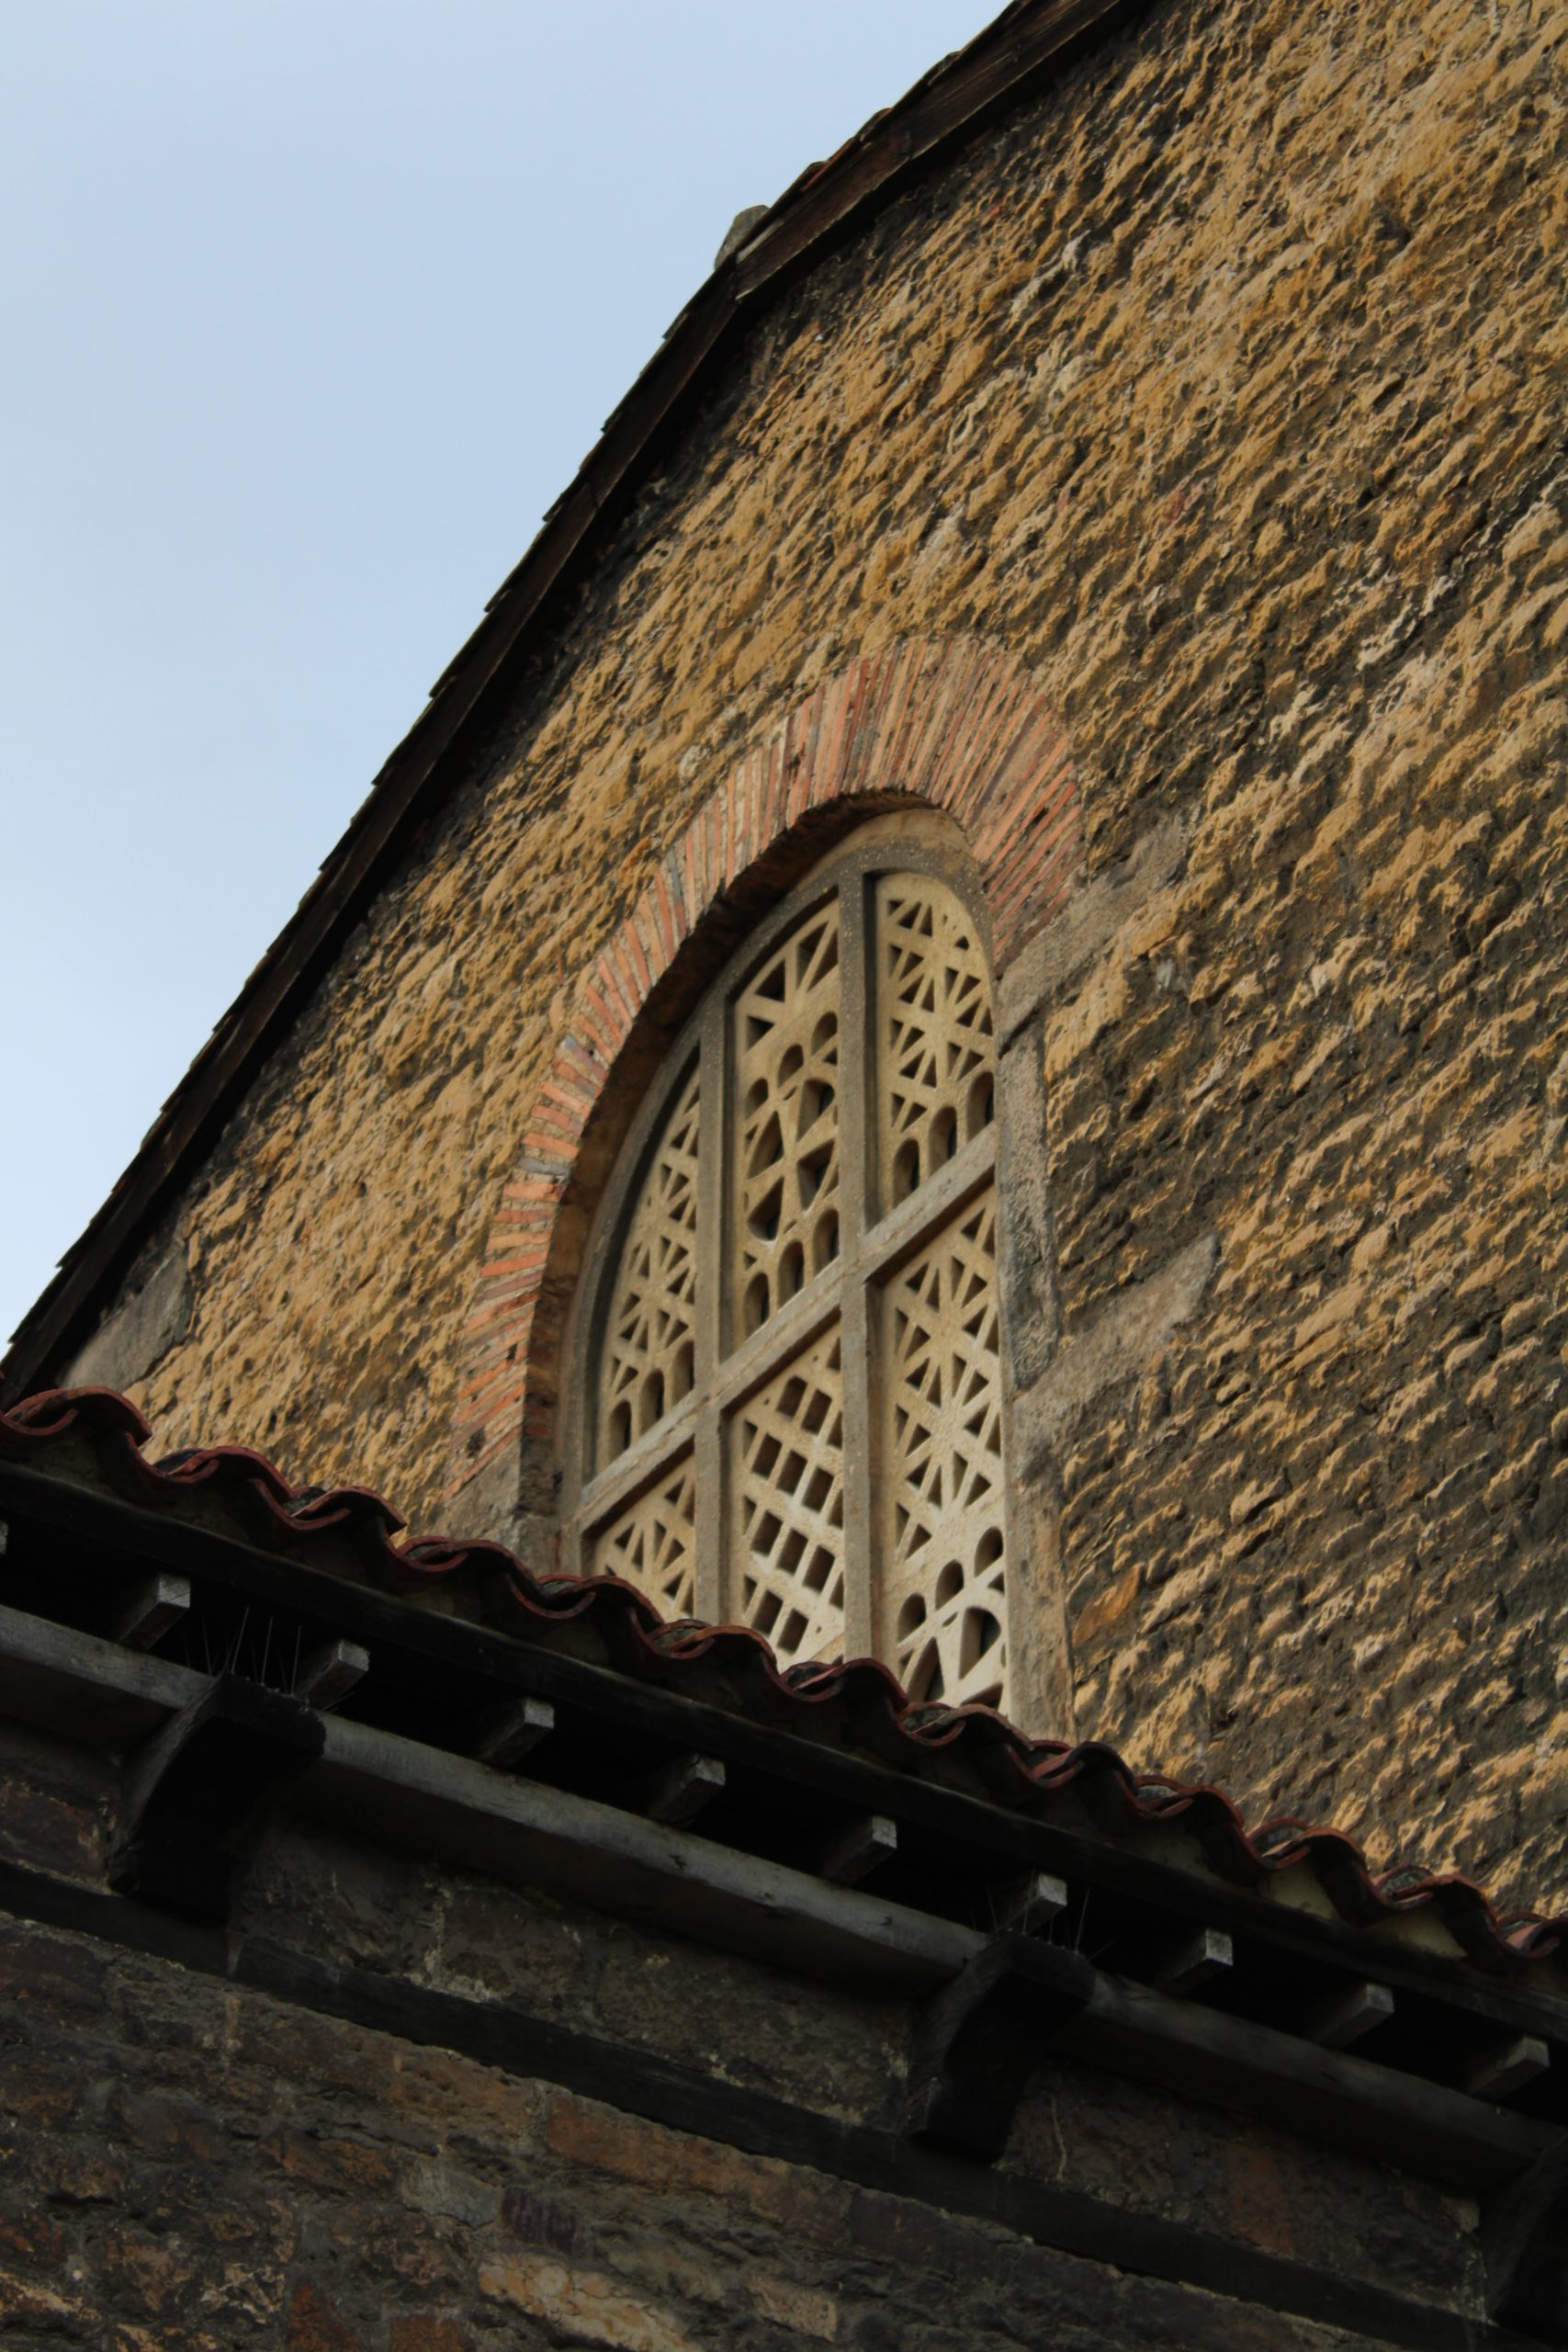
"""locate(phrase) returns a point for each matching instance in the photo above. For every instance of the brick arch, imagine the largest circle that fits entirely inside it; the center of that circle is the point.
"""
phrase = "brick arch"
(960, 726)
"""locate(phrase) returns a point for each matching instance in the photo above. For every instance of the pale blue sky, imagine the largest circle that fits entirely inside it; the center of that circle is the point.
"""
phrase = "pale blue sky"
(311, 308)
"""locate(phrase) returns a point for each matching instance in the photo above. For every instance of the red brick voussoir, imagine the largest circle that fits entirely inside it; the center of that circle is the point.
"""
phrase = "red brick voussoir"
(960, 726)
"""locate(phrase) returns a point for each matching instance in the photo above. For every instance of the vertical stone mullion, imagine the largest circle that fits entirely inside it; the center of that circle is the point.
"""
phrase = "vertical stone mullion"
(1031, 1325)
(713, 1596)
(856, 1132)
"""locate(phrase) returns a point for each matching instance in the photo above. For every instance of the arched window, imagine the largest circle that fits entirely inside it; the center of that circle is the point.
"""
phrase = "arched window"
(787, 1409)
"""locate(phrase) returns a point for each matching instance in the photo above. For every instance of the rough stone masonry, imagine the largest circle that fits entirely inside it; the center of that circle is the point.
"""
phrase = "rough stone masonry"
(1222, 384)
(193, 2164)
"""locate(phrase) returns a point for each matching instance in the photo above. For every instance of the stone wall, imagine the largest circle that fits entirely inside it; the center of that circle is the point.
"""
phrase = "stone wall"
(192, 2164)
(192, 2170)
(1223, 387)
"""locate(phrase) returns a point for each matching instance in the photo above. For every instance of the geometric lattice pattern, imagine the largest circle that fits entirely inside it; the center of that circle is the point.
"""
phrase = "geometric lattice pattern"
(652, 1542)
(943, 1573)
(935, 1050)
(649, 1358)
(786, 1108)
(786, 1480)
(903, 1314)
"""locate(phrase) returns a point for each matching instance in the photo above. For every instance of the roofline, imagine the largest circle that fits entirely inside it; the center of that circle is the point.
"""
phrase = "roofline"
(828, 202)
(79, 1462)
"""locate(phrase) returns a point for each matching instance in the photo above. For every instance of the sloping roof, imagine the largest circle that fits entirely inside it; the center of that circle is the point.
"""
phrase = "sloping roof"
(828, 202)
(98, 1437)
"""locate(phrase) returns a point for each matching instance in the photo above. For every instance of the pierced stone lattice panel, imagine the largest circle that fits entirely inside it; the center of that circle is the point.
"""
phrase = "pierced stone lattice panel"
(936, 1054)
(787, 1489)
(784, 1186)
(653, 1543)
(650, 1337)
(943, 1572)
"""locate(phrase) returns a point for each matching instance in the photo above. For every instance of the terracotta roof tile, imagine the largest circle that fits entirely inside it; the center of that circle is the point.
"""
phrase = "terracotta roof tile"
(94, 1435)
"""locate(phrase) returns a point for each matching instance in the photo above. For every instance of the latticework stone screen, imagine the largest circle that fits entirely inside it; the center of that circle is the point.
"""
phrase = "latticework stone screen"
(650, 1348)
(796, 1405)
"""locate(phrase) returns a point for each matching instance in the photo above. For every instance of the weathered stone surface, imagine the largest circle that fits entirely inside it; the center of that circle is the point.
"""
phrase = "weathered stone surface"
(237, 2170)
(585, 2304)
(187, 2164)
(1130, 1335)
(1094, 916)
(1223, 387)
(151, 1318)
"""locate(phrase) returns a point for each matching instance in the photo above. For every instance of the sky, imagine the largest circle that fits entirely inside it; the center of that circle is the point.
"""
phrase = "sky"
(312, 307)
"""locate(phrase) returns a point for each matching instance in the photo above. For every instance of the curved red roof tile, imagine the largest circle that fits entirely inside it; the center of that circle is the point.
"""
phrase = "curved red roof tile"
(858, 1700)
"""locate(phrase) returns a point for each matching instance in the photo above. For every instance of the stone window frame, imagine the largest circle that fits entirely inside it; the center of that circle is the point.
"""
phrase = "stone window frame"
(963, 729)
(873, 1249)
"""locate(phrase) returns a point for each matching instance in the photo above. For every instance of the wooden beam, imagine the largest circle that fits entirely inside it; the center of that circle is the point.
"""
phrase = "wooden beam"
(146, 1613)
(86, 1687)
(1377, 2111)
(1193, 1961)
(1347, 2016)
(413, 1645)
(195, 1793)
(330, 1673)
(525, 1832)
(1524, 2242)
(1031, 1905)
(970, 2061)
(513, 1731)
(854, 1853)
(683, 1789)
(1506, 2067)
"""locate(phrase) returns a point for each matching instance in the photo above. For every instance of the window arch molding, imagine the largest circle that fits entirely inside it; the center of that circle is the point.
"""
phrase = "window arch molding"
(784, 1404)
(961, 725)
